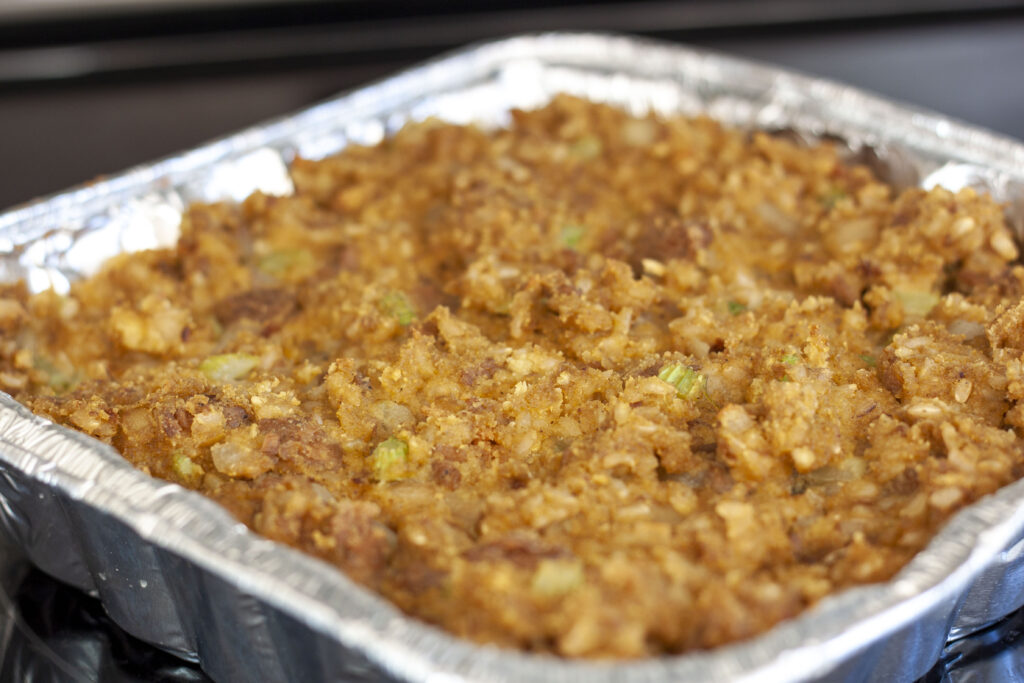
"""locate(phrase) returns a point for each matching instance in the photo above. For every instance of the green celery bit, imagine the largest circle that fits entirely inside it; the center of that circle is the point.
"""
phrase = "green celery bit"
(830, 198)
(916, 302)
(228, 367)
(586, 147)
(283, 261)
(571, 235)
(687, 381)
(58, 380)
(397, 305)
(389, 459)
(555, 578)
(790, 359)
(185, 467)
(735, 307)
(869, 359)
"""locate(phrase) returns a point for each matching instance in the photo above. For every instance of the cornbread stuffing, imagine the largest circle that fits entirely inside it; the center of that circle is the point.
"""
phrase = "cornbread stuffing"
(593, 385)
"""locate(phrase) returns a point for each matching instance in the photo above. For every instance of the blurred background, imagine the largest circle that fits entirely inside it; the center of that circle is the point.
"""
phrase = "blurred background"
(88, 88)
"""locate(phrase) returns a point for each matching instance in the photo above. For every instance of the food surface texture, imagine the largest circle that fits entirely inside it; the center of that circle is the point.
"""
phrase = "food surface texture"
(593, 385)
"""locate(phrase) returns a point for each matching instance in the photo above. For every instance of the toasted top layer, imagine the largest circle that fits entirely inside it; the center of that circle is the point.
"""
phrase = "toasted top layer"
(594, 385)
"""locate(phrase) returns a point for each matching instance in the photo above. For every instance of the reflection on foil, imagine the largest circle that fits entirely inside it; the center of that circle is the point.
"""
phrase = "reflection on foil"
(1004, 187)
(176, 570)
(261, 170)
(149, 222)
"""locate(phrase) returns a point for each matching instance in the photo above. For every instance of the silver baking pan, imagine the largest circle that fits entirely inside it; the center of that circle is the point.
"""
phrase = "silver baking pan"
(176, 570)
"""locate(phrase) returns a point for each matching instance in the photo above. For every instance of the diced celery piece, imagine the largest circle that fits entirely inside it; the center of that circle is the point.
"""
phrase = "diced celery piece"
(185, 467)
(571, 235)
(735, 307)
(58, 380)
(688, 382)
(389, 459)
(228, 367)
(832, 197)
(916, 302)
(397, 305)
(790, 359)
(555, 578)
(586, 147)
(284, 261)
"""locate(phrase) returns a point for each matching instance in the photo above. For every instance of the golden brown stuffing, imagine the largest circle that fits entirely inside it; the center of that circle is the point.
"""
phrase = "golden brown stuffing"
(593, 385)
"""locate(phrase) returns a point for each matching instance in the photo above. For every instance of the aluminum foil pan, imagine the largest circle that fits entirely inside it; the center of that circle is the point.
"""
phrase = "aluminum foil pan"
(176, 570)
(52, 633)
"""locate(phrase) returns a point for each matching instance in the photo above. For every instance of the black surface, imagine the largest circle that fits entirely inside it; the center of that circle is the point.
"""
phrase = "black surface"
(61, 634)
(76, 22)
